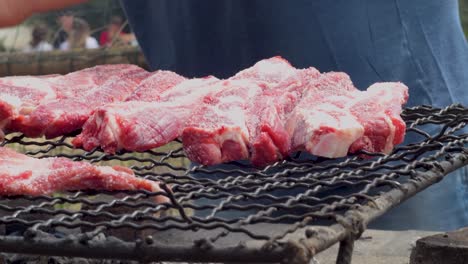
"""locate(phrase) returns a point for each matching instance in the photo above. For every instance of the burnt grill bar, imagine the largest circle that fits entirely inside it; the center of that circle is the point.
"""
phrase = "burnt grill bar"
(286, 212)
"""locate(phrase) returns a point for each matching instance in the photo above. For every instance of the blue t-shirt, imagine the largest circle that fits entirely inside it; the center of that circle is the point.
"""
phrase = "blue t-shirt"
(418, 42)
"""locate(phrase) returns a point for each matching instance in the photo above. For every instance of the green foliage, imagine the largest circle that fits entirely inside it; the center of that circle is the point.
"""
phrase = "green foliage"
(464, 15)
(2, 45)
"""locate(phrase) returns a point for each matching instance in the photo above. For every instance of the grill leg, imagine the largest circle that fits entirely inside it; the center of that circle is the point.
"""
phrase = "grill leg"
(345, 251)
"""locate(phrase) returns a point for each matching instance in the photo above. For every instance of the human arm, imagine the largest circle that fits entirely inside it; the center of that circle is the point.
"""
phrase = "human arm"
(13, 12)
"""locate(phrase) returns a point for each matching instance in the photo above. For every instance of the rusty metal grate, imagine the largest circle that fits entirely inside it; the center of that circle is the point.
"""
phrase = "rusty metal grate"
(286, 212)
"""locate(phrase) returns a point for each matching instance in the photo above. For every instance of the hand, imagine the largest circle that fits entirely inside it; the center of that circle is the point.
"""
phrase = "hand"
(13, 12)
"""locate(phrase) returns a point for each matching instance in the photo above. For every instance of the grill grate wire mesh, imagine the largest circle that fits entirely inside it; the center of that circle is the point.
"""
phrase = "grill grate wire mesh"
(235, 211)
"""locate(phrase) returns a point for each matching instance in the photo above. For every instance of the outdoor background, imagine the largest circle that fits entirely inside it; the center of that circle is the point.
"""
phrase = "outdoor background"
(464, 14)
(98, 13)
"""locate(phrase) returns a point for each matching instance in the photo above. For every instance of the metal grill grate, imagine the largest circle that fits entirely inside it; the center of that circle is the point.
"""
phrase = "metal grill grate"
(286, 212)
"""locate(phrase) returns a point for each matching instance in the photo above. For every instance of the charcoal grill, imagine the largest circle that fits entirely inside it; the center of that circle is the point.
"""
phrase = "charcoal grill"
(286, 212)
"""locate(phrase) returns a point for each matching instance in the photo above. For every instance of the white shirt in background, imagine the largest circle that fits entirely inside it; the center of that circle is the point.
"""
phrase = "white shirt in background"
(42, 46)
(91, 43)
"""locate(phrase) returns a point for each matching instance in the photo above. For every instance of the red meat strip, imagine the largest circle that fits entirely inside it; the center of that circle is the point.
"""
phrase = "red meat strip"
(246, 119)
(139, 126)
(219, 130)
(151, 88)
(273, 71)
(73, 85)
(19, 95)
(23, 175)
(84, 91)
(334, 118)
(379, 113)
(319, 123)
(267, 115)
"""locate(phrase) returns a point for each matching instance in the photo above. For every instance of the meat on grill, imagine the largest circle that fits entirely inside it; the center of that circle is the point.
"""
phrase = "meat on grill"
(319, 123)
(246, 118)
(73, 85)
(78, 94)
(273, 71)
(153, 86)
(139, 126)
(303, 110)
(218, 130)
(24, 175)
(379, 113)
(267, 114)
(334, 118)
(19, 95)
(263, 113)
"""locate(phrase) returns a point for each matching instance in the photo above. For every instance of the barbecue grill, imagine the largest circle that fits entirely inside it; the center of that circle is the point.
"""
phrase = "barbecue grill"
(286, 212)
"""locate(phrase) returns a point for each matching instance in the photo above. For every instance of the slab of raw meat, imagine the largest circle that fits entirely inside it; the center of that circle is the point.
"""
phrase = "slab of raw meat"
(269, 140)
(151, 88)
(218, 130)
(73, 85)
(19, 95)
(187, 91)
(133, 126)
(44, 84)
(273, 71)
(69, 112)
(379, 113)
(246, 119)
(321, 123)
(334, 118)
(140, 126)
(24, 175)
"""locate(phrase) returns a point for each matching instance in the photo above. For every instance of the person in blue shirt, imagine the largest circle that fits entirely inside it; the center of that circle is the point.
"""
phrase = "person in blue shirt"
(417, 42)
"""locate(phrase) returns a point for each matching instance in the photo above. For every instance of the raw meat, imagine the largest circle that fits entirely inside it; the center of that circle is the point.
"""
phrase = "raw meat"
(139, 126)
(134, 126)
(23, 175)
(319, 123)
(335, 118)
(269, 140)
(273, 71)
(190, 91)
(151, 88)
(379, 113)
(91, 88)
(246, 118)
(44, 84)
(263, 113)
(88, 80)
(218, 130)
(19, 95)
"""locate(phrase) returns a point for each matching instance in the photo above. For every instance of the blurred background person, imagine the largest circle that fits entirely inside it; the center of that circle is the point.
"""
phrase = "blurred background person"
(79, 37)
(113, 31)
(39, 39)
(65, 20)
(114, 34)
